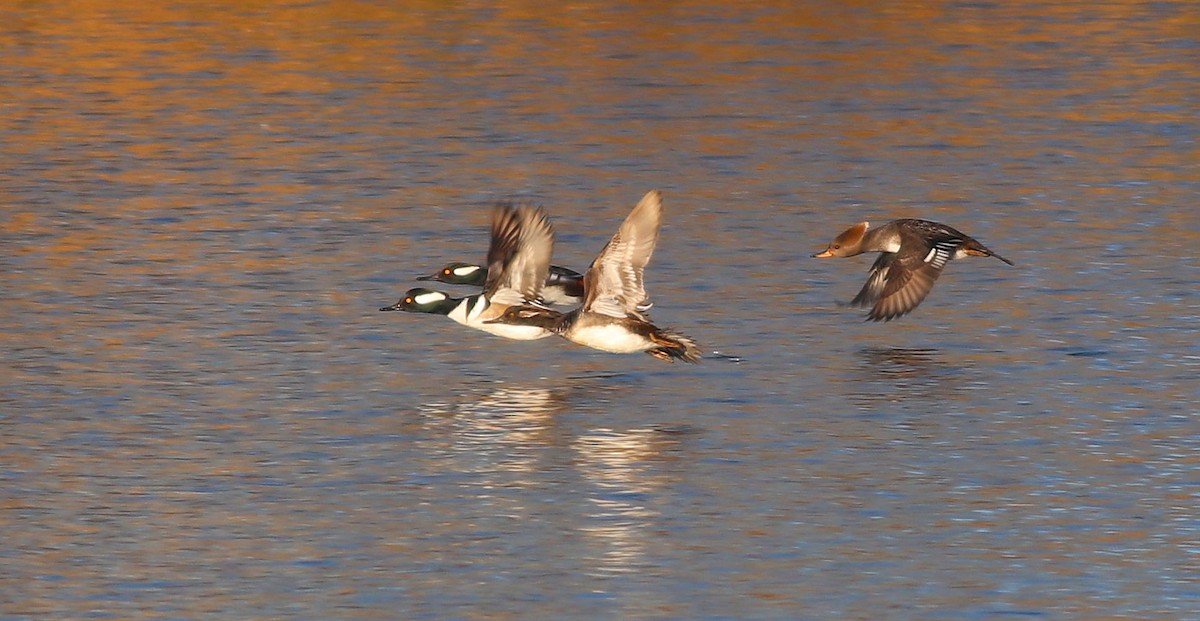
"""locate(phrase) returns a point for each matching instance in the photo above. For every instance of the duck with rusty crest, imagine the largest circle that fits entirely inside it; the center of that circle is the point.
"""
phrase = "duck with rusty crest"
(913, 254)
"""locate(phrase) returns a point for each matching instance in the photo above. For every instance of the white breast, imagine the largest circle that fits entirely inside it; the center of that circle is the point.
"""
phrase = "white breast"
(474, 311)
(611, 338)
(516, 333)
(462, 312)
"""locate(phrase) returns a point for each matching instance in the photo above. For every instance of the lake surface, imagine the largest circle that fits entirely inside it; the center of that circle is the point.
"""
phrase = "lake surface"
(203, 414)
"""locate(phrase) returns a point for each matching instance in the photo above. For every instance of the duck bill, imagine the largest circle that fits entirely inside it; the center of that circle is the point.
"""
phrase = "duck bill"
(824, 254)
(429, 277)
(393, 307)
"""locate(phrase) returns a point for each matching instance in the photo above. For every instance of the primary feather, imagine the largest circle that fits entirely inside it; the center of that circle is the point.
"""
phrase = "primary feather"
(614, 284)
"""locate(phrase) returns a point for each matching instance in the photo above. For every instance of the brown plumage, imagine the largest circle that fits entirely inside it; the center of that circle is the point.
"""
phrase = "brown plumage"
(913, 255)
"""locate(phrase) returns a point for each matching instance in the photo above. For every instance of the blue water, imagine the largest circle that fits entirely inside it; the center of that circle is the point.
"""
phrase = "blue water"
(203, 413)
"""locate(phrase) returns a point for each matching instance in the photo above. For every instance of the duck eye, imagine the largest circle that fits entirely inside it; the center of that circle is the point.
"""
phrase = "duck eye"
(836, 246)
(446, 272)
(408, 300)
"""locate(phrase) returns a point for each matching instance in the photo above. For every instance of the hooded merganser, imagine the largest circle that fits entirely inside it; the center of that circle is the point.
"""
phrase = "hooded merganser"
(522, 241)
(562, 286)
(610, 319)
(914, 253)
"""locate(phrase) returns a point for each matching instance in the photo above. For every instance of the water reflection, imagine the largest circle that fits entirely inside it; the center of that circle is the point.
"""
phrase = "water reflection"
(496, 431)
(200, 414)
(622, 468)
(600, 481)
(904, 374)
(900, 362)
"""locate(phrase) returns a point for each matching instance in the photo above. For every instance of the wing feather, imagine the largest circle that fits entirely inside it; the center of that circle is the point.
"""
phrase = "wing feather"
(908, 280)
(614, 284)
(876, 279)
(522, 243)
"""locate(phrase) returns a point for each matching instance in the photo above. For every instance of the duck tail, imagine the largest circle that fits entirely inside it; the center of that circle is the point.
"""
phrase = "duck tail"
(674, 346)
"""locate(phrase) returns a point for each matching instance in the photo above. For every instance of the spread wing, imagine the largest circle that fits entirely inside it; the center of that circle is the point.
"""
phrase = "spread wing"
(519, 254)
(900, 284)
(613, 284)
(876, 279)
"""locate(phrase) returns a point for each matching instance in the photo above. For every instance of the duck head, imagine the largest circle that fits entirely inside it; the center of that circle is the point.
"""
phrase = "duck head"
(458, 274)
(848, 244)
(421, 300)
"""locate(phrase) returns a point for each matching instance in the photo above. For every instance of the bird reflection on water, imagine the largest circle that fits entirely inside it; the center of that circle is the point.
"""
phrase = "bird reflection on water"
(895, 374)
(497, 430)
(545, 440)
(625, 470)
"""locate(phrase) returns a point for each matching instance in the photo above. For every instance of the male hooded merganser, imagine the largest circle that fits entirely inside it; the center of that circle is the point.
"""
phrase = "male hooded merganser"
(914, 253)
(522, 241)
(610, 318)
(562, 286)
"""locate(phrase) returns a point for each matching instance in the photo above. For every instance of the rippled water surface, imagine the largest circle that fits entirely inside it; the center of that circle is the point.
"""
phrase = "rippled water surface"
(203, 414)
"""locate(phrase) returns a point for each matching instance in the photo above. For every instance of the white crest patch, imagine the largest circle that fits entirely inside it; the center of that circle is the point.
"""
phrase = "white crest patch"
(466, 270)
(429, 298)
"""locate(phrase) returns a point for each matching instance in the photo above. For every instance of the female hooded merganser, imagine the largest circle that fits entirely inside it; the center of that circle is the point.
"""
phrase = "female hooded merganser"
(562, 286)
(610, 318)
(914, 253)
(522, 241)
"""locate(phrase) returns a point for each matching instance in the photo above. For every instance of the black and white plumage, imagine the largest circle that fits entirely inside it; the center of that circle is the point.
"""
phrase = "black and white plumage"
(518, 260)
(562, 286)
(612, 317)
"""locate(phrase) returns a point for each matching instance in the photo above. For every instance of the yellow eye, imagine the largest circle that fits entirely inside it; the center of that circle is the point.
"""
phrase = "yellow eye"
(408, 300)
(446, 272)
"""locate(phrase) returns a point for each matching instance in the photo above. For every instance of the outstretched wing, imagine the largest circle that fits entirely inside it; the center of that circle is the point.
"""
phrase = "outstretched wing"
(876, 279)
(613, 284)
(903, 282)
(519, 254)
